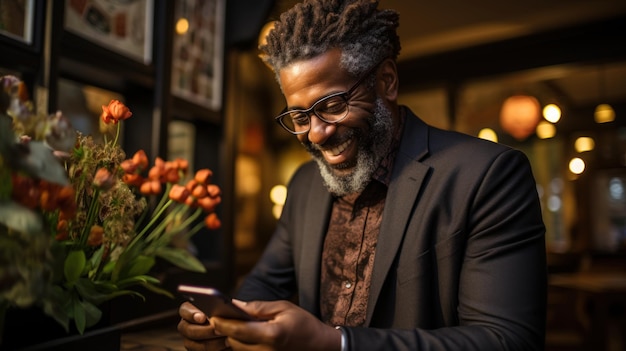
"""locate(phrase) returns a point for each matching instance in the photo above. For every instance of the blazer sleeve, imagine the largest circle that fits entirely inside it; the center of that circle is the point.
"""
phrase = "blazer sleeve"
(502, 282)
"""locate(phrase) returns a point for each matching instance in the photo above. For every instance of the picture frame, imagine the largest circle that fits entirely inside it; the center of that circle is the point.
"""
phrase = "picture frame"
(17, 20)
(198, 49)
(125, 27)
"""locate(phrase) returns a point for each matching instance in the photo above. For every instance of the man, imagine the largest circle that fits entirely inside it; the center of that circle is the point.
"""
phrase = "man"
(404, 236)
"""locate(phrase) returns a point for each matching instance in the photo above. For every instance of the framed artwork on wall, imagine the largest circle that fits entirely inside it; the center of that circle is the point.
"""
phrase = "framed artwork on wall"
(124, 27)
(197, 61)
(16, 19)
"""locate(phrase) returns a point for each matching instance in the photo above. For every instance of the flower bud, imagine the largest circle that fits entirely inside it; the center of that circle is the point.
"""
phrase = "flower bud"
(212, 221)
(213, 190)
(178, 193)
(95, 236)
(203, 176)
(140, 159)
(103, 179)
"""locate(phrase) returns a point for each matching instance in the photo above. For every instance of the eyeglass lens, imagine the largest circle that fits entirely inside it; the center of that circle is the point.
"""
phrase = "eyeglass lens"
(330, 109)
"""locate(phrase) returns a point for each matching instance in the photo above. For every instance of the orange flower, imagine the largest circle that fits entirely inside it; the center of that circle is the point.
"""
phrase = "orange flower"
(199, 191)
(214, 190)
(128, 166)
(212, 221)
(132, 179)
(140, 159)
(203, 176)
(182, 164)
(179, 193)
(150, 187)
(95, 236)
(208, 204)
(62, 230)
(116, 111)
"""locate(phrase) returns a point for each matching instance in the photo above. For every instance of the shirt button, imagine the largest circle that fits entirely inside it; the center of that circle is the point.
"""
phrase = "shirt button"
(348, 284)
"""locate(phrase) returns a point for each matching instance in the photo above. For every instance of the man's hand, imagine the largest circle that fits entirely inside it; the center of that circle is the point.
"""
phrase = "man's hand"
(197, 332)
(283, 326)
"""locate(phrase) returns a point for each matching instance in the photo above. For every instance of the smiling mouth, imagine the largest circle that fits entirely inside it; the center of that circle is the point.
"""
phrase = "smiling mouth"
(337, 150)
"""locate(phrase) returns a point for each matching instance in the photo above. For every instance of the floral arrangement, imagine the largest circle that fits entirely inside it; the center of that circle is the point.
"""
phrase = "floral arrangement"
(79, 223)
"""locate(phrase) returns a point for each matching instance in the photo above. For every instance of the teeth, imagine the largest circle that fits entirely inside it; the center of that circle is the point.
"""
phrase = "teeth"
(339, 148)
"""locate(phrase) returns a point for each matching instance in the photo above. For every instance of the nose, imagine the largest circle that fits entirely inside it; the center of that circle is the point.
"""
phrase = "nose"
(320, 131)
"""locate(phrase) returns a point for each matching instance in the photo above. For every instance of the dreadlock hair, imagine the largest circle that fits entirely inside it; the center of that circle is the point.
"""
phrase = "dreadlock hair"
(364, 34)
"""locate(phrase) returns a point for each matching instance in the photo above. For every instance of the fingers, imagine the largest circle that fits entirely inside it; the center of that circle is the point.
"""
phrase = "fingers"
(264, 310)
(191, 313)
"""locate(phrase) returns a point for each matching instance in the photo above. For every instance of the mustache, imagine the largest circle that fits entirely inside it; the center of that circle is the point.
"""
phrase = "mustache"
(332, 142)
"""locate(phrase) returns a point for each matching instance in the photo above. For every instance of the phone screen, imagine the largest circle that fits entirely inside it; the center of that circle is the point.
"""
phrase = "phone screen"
(213, 302)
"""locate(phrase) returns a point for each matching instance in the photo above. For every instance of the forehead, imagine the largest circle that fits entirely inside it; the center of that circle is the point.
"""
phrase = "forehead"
(305, 81)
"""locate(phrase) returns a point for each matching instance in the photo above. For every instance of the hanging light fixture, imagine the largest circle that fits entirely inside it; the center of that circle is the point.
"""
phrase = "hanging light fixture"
(520, 115)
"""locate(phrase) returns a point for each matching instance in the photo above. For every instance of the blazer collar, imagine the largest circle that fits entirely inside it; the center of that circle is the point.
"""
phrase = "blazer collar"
(407, 178)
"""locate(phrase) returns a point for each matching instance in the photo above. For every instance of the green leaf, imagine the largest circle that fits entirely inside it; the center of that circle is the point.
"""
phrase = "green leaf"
(74, 265)
(158, 290)
(138, 279)
(92, 313)
(120, 268)
(20, 218)
(181, 258)
(95, 293)
(139, 266)
(79, 315)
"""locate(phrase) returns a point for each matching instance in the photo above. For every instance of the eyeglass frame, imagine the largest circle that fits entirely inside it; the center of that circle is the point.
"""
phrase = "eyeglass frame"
(344, 94)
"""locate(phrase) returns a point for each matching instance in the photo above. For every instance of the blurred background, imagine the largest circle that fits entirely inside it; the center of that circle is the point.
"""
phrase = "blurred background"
(546, 77)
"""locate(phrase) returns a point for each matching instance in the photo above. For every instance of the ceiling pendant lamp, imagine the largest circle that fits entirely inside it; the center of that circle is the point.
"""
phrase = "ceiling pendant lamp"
(520, 115)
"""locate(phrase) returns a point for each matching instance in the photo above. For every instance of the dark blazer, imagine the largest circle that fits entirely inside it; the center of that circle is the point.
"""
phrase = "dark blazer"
(460, 260)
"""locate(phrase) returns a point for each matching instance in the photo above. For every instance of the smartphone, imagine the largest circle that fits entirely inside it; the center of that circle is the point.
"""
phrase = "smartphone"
(213, 302)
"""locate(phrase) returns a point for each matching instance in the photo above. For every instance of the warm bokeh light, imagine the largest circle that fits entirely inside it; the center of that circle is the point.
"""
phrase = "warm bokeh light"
(277, 210)
(604, 113)
(552, 113)
(577, 165)
(583, 144)
(545, 130)
(182, 26)
(519, 116)
(278, 194)
(488, 134)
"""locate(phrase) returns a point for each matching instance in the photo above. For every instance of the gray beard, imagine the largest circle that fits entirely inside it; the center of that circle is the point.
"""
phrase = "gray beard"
(372, 148)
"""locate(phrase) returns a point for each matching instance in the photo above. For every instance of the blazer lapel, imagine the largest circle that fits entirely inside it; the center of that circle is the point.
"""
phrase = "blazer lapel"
(407, 178)
(317, 216)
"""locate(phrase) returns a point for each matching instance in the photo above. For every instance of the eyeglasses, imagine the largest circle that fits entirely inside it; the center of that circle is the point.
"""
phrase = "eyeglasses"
(330, 109)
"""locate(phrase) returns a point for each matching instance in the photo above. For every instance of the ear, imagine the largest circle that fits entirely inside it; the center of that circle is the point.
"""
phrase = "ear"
(388, 79)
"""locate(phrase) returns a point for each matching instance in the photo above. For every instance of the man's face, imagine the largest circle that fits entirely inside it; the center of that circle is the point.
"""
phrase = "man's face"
(347, 152)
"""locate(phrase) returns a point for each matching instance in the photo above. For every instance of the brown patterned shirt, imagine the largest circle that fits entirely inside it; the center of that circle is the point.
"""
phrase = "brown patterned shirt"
(350, 246)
